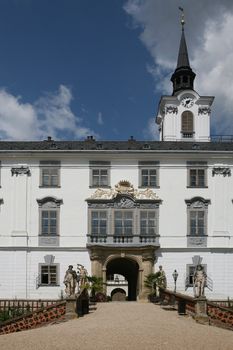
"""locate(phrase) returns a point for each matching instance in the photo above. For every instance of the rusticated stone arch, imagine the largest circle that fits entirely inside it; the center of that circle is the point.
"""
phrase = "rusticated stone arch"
(111, 257)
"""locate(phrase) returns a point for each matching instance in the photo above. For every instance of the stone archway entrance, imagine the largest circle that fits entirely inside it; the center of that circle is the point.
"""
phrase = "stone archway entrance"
(127, 268)
(134, 263)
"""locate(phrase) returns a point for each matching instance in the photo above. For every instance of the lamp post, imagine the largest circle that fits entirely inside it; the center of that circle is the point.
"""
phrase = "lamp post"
(175, 276)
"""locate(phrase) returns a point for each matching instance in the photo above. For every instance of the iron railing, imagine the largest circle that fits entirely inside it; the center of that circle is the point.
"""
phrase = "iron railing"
(13, 308)
(228, 303)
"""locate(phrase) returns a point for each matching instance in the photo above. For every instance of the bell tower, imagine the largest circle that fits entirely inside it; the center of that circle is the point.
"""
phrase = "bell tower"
(183, 77)
(185, 115)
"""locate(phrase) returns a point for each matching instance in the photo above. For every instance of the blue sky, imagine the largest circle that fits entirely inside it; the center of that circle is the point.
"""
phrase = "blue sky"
(71, 68)
(89, 47)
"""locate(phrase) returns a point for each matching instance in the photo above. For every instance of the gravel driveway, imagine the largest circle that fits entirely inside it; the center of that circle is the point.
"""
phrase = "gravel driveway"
(123, 325)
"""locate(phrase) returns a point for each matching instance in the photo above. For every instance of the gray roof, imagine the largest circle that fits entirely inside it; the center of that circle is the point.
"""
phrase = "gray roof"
(100, 146)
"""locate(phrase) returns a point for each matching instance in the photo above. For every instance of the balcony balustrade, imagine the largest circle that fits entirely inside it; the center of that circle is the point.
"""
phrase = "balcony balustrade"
(118, 240)
(187, 135)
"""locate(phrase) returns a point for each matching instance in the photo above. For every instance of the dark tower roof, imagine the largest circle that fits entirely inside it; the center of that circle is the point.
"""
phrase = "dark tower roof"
(183, 77)
(183, 57)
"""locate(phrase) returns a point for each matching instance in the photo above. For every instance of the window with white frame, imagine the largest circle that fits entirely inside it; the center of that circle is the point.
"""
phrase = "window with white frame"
(50, 173)
(99, 174)
(197, 209)
(148, 222)
(99, 222)
(197, 174)
(49, 222)
(49, 274)
(49, 210)
(123, 222)
(148, 174)
(197, 222)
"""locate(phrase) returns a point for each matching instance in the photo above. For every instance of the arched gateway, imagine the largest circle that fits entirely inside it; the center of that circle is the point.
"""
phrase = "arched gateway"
(131, 262)
(129, 269)
(123, 235)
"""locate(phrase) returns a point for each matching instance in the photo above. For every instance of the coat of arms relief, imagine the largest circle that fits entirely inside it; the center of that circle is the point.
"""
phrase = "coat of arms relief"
(124, 187)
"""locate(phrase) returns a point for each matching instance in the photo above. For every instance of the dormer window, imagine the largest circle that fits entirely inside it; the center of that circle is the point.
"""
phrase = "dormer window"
(187, 128)
(50, 173)
(148, 174)
(99, 173)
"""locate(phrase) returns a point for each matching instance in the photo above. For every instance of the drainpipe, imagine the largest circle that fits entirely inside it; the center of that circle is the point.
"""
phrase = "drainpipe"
(26, 227)
(104, 281)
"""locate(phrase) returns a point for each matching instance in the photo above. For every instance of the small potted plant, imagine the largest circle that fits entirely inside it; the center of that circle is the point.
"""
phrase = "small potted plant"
(96, 286)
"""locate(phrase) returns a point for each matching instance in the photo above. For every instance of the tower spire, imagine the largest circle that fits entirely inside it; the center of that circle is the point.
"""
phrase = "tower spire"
(183, 58)
(183, 76)
(182, 21)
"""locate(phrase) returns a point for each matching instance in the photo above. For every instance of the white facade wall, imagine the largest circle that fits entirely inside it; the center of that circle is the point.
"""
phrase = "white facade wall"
(219, 266)
(19, 271)
(20, 254)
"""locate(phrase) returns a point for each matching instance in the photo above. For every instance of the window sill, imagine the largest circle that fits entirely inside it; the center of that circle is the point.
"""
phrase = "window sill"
(196, 236)
(41, 186)
(100, 186)
(46, 235)
(148, 187)
(149, 235)
(123, 235)
(197, 186)
(48, 285)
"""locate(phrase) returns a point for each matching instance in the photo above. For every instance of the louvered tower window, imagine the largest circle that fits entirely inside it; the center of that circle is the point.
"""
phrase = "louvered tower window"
(187, 124)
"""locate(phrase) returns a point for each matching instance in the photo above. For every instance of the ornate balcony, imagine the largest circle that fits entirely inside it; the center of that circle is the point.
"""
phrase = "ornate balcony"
(130, 240)
(123, 216)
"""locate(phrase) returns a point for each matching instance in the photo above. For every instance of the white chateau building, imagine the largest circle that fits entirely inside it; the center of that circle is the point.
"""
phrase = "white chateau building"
(121, 207)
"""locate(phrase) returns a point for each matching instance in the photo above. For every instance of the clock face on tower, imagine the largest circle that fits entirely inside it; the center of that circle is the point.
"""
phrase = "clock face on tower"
(187, 102)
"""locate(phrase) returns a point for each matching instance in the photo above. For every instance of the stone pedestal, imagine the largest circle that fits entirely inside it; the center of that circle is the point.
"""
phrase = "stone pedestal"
(201, 310)
(71, 303)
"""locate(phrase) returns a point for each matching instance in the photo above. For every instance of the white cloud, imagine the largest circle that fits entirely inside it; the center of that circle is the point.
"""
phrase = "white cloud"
(49, 115)
(151, 131)
(18, 120)
(209, 35)
(214, 68)
(100, 119)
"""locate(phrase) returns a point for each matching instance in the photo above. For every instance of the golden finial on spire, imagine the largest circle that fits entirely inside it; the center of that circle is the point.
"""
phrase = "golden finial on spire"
(182, 17)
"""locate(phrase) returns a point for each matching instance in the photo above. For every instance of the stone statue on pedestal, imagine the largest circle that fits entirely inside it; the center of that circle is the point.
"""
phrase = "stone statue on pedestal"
(199, 281)
(161, 279)
(82, 273)
(70, 281)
